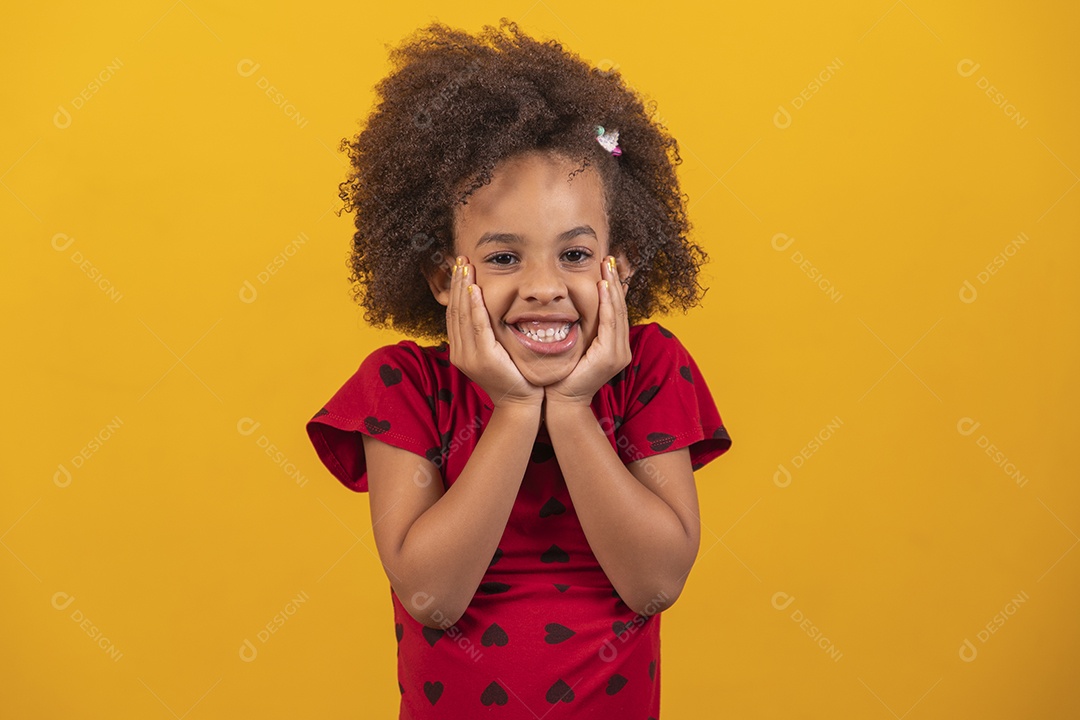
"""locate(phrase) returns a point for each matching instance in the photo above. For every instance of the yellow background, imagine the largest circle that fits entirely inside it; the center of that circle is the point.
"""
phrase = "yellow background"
(899, 180)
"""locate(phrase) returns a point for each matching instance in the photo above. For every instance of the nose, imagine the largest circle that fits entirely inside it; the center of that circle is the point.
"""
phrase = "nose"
(542, 282)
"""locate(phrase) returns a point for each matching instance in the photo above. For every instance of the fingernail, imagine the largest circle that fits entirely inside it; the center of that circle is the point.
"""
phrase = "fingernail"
(459, 260)
(465, 272)
(611, 263)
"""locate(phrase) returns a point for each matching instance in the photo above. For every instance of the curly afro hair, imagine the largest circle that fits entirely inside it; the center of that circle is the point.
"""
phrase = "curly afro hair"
(453, 107)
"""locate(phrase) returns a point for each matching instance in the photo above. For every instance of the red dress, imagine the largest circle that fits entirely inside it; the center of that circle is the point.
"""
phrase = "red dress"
(545, 635)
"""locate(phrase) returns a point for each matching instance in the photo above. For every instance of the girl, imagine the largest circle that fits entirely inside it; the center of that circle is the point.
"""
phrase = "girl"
(531, 476)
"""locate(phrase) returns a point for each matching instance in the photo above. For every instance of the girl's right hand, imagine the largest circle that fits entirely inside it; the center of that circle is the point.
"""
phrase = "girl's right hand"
(474, 349)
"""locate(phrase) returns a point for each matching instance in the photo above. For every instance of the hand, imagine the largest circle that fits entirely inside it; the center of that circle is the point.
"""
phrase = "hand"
(608, 353)
(474, 349)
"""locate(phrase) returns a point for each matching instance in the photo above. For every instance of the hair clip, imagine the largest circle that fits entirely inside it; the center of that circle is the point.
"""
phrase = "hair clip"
(609, 139)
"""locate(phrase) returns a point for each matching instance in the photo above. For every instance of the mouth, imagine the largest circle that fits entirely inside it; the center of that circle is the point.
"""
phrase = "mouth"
(547, 340)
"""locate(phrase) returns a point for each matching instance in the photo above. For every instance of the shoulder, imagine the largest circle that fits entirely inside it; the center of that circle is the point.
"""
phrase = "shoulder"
(655, 340)
(405, 360)
(403, 369)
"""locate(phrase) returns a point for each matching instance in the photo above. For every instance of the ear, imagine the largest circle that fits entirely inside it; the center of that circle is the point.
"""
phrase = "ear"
(438, 280)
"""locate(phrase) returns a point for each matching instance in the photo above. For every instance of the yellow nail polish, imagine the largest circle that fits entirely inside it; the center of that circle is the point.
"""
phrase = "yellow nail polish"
(465, 272)
(470, 289)
(611, 264)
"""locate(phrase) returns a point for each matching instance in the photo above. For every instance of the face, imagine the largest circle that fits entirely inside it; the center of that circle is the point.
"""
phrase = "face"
(536, 243)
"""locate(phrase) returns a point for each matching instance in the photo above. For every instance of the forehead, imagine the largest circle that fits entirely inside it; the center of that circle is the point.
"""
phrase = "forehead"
(533, 195)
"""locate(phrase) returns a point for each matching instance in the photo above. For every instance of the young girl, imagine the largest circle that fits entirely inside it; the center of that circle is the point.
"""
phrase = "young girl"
(531, 476)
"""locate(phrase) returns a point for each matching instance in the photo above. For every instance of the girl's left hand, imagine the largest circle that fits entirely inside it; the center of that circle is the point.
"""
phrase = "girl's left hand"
(610, 350)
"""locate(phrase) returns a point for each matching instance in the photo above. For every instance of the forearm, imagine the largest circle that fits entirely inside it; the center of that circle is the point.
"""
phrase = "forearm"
(639, 541)
(449, 547)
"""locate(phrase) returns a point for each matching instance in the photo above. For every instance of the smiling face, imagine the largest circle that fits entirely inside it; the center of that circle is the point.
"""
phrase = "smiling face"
(536, 242)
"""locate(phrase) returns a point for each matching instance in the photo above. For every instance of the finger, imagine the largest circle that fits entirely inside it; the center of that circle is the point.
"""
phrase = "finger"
(621, 336)
(451, 336)
(480, 327)
(454, 315)
(481, 322)
(606, 321)
(466, 331)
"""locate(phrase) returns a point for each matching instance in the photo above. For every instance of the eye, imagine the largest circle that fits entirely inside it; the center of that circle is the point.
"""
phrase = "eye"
(500, 259)
(577, 256)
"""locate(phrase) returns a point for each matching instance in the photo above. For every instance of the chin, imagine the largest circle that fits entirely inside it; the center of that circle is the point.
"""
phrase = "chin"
(537, 369)
(548, 376)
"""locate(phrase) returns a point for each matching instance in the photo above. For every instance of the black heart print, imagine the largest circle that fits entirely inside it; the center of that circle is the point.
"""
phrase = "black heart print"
(376, 426)
(555, 554)
(615, 683)
(560, 691)
(494, 693)
(685, 372)
(433, 690)
(660, 441)
(648, 394)
(390, 376)
(434, 455)
(432, 635)
(542, 452)
(494, 635)
(491, 588)
(557, 633)
(552, 507)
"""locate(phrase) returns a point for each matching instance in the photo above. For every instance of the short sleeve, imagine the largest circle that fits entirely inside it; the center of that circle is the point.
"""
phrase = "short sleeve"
(668, 405)
(389, 397)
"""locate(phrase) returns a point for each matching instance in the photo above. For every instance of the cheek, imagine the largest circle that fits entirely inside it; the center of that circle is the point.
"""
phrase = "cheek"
(585, 293)
(498, 295)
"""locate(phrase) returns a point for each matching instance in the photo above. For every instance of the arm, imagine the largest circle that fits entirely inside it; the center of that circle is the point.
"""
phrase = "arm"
(436, 545)
(641, 519)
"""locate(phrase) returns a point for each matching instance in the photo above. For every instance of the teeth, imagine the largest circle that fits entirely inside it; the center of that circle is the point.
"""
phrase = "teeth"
(547, 335)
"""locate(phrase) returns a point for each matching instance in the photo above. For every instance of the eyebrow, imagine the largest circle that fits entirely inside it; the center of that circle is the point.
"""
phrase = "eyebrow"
(514, 239)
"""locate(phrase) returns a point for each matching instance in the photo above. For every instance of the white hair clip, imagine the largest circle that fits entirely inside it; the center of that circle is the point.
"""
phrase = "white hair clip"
(609, 139)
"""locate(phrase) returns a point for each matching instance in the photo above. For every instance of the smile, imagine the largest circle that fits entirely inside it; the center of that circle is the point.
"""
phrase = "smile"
(548, 340)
